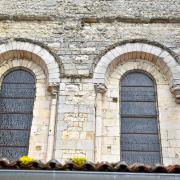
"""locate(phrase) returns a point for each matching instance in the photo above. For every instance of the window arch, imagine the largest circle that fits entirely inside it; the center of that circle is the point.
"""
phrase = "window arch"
(16, 111)
(139, 119)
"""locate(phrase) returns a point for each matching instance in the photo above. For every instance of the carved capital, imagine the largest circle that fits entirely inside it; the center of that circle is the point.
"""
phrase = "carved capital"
(176, 91)
(100, 88)
(53, 88)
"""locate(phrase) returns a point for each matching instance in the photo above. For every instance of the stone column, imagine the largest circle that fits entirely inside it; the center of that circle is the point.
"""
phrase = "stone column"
(100, 90)
(53, 89)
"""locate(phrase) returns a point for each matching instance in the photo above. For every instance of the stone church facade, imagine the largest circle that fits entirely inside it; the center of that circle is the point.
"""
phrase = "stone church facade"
(79, 52)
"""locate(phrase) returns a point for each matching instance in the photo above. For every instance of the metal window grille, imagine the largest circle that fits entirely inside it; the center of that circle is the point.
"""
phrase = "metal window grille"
(16, 109)
(139, 120)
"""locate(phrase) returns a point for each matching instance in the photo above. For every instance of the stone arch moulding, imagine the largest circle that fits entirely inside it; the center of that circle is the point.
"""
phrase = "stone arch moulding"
(34, 52)
(36, 58)
(137, 50)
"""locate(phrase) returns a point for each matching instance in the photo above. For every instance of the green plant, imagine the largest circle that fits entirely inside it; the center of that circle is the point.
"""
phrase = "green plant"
(25, 161)
(79, 161)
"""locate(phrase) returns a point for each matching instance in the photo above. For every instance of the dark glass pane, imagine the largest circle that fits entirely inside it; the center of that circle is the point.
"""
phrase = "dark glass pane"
(139, 125)
(19, 76)
(18, 90)
(138, 108)
(141, 157)
(137, 79)
(16, 106)
(140, 147)
(140, 138)
(139, 128)
(14, 137)
(15, 121)
(138, 94)
(13, 153)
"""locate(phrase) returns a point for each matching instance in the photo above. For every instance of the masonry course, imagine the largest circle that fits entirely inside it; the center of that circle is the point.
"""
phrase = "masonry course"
(78, 34)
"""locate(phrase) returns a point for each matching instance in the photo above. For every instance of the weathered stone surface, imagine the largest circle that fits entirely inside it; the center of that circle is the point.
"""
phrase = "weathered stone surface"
(71, 37)
(84, 8)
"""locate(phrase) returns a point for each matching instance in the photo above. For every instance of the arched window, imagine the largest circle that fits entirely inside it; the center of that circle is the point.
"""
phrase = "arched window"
(139, 119)
(16, 107)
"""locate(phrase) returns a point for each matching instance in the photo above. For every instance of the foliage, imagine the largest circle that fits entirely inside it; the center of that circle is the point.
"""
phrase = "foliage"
(79, 161)
(25, 161)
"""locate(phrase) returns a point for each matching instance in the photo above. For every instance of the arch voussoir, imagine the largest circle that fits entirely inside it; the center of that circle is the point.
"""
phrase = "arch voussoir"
(33, 52)
(155, 54)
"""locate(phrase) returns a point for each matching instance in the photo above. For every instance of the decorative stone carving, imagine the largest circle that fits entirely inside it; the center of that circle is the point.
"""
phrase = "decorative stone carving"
(176, 91)
(53, 88)
(100, 88)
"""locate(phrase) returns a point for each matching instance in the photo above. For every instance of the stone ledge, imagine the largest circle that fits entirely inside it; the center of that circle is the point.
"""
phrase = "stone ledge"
(64, 175)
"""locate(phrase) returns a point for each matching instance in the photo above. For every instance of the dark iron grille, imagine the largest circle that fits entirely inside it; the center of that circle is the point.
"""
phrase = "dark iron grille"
(140, 157)
(16, 107)
(139, 126)
(19, 76)
(17, 90)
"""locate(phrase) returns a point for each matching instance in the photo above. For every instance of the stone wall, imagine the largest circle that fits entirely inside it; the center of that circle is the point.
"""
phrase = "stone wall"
(77, 34)
(80, 47)
(95, 8)
(75, 135)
